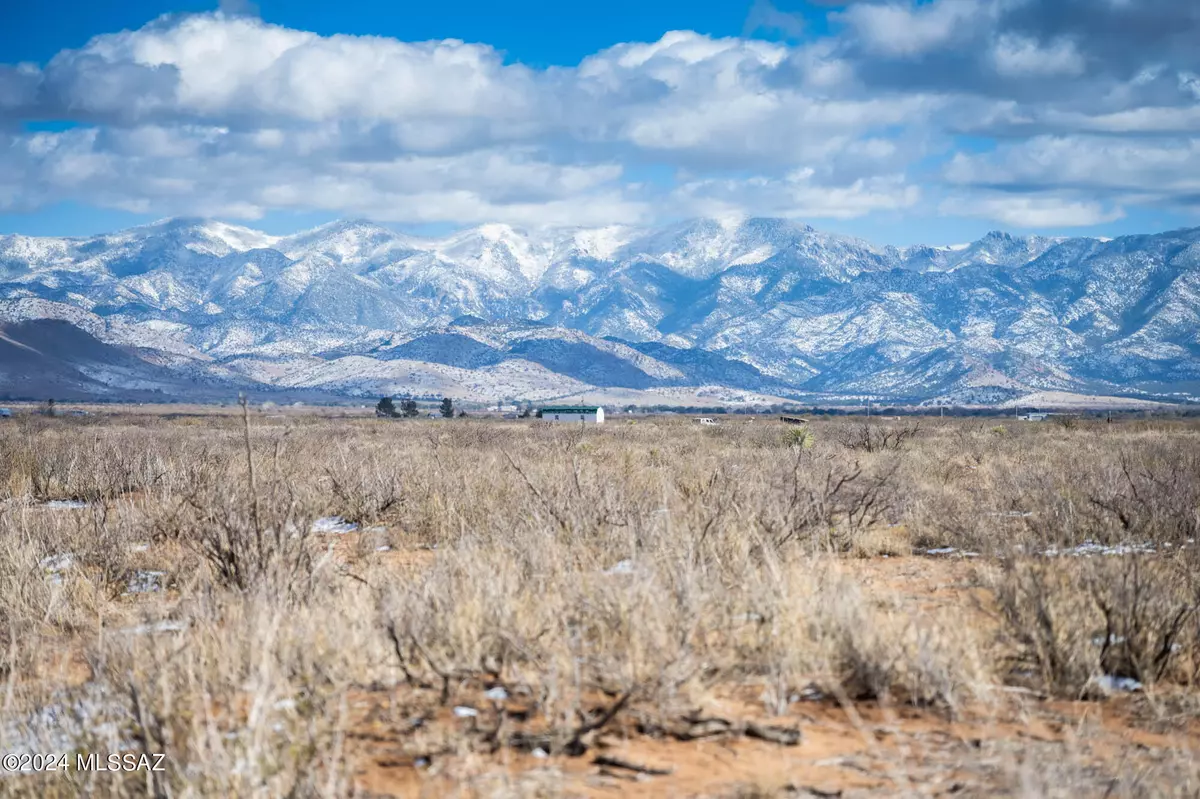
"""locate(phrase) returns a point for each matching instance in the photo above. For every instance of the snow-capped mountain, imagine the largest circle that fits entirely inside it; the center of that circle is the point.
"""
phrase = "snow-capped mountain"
(765, 306)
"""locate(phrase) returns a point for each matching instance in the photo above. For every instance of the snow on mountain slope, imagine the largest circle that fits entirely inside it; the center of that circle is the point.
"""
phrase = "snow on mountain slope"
(351, 242)
(762, 304)
(363, 376)
(995, 249)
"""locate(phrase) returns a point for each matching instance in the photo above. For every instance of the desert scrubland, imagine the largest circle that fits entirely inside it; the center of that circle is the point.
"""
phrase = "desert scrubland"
(301, 605)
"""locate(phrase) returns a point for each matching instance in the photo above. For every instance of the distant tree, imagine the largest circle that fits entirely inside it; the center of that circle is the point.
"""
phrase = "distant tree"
(526, 412)
(461, 414)
(539, 413)
(409, 408)
(50, 408)
(447, 408)
(1066, 421)
(385, 407)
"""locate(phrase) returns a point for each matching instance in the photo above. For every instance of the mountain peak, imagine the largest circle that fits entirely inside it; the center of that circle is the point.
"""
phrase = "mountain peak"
(172, 223)
(348, 241)
(345, 226)
(497, 231)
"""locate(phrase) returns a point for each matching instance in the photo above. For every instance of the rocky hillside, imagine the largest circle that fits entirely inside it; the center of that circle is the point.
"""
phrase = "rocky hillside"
(758, 305)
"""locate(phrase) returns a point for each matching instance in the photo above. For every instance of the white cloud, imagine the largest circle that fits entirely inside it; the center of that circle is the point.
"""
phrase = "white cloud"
(159, 170)
(1032, 212)
(906, 30)
(797, 194)
(216, 66)
(1103, 166)
(1020, 57)
(225, 114)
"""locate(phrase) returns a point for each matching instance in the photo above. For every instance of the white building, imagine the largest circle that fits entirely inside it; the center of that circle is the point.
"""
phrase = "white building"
(706, 421)
(573, 413)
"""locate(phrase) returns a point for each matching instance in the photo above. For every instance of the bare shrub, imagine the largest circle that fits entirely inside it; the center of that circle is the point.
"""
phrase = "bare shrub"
(869, 437)
(793, 622)
(51, 463)
(826, 503)
(365, 489)
(1151, 611)
(1151, 496)
(1073, 620)
(1051, 622)
(1066, 421)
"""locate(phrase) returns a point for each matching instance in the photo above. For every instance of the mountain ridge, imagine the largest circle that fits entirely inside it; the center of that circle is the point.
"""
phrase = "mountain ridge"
(757, 304)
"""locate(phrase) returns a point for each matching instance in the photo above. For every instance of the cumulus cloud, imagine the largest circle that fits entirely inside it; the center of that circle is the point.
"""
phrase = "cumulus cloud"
(244, 71)
(1032, 212)
(1016, 56)
(1158, 171)
(907, 30)
(798, 194)
(1028, 112)
(225, 173)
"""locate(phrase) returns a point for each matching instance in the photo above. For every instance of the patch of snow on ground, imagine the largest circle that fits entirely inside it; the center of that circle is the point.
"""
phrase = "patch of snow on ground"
(949, 551)
(1093, 548)
(65, 504)
(94, 720)
(810, 694)
(1111, 685)
(623, 567)
(145, 582)
(333, 524)
(55, 565)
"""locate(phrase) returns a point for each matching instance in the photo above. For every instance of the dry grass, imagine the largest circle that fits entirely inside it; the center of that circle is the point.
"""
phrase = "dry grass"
(624, 580)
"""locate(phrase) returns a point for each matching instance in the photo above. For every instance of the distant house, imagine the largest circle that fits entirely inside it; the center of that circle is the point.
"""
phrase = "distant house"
(573, 413)
(792, 420)
(1033, 417)
(706, 421)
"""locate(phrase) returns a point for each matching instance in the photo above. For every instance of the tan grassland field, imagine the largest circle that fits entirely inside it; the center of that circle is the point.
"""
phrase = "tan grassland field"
(325, 604)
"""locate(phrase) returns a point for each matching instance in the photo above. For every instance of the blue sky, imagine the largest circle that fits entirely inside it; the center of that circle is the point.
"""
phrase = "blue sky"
(534, 32)
(897, 120)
